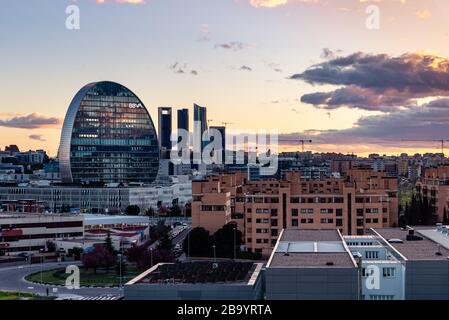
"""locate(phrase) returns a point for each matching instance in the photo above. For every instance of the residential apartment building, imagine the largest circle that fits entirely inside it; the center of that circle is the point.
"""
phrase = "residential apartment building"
(361, 200)
(434, 187)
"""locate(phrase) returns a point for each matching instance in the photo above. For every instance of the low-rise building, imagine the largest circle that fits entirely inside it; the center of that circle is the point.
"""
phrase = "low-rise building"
(198, 280)
(30, 232)
(312, 265)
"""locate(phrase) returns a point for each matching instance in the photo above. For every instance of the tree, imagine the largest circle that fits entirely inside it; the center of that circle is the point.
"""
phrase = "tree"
(158, 255)
(99, 257)
(149, 212)
(109, 245)
(51, 246)
(198, 243)
(76, 251)
(175, 210)
(227, 239)
(132, 210)
(165, 243)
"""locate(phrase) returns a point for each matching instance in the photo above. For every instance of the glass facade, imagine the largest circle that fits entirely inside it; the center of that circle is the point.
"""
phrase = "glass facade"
(108, 137)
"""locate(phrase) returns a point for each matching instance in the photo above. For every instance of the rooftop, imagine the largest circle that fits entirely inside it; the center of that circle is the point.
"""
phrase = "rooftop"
(310, 235)
(311, 249)
(200, 272)
(419, 250)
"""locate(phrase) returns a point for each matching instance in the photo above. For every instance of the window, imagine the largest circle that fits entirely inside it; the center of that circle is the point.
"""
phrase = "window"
(380, 297)
(294, 212)
(327, 221)
(388, 272)
(339, 212)
(295, 222)
(274, 212)
(371, 255)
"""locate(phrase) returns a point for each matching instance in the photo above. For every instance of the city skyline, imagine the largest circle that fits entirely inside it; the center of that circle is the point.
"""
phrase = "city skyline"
(310, 69)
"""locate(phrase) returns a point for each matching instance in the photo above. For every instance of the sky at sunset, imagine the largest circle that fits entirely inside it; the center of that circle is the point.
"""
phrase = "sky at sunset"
(308, 68)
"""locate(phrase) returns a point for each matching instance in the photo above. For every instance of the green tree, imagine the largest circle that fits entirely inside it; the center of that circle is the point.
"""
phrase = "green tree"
(165, 243)
(109, 245)
(132, 210)
(198, 243)
(227, 239)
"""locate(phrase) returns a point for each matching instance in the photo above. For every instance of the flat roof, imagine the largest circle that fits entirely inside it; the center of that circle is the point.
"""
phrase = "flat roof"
(310, 235)
(310, 260)
(199, 272)
(97, 219)
(311, 249)
(419, 250)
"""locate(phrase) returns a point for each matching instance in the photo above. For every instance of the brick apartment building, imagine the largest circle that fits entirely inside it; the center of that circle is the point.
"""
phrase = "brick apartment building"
(360, 200)
(434, 186)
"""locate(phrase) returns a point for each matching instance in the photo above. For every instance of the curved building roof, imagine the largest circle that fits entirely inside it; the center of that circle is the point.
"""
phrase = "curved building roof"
(108, 136)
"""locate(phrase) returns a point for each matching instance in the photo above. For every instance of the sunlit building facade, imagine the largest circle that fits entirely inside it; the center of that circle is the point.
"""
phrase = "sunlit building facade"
(108, 137)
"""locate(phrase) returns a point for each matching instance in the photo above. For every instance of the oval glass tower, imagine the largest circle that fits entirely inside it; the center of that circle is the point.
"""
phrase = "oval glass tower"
(108, 136)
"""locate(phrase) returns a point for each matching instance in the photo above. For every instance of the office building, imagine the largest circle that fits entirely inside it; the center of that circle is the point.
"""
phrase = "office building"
(183, 119)
(165, 129)
(108, 137)
(30, 232)
(111, 199)
(200, 126)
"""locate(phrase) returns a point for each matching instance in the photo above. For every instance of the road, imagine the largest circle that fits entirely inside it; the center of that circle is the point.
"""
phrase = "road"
(12, 279)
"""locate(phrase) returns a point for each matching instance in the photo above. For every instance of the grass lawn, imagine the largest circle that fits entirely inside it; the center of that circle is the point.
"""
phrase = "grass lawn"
(9, 295)
(87, 277)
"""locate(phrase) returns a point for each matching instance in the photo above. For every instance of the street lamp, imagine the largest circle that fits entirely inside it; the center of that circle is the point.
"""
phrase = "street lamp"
(235, 243)
(41, 251)
(215, 254)
(120, 269)
(151, 257)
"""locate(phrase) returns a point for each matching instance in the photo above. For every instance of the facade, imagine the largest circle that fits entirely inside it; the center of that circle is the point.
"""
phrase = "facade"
(107, 137)
(312, 265)
(433, 186)
(97, 200)
(30, 232)
(200, 126)
(198, 280)
(183, 119)
(165, 128)
(361, 200)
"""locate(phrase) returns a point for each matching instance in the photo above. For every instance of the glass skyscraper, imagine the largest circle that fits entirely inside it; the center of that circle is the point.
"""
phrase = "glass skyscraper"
(108, 137)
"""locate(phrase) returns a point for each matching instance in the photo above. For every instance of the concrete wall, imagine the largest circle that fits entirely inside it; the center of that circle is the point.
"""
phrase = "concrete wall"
(193, 291)
(427, 280)
(312, 284)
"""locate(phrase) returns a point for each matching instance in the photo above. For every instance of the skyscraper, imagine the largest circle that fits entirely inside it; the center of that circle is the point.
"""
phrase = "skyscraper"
(108, 137)
(200, 126)
(183, 119)
(165, 128)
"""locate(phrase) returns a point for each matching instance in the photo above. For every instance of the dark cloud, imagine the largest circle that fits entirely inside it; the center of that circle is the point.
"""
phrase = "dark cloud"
(182, 68)
(424, 122)
(377, 82)
(37, 137)
(246, 68)
(31, 121)
(233, 45)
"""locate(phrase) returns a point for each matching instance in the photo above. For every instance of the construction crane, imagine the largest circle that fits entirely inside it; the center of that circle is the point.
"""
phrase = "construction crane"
(442, 141)
(301, 141)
